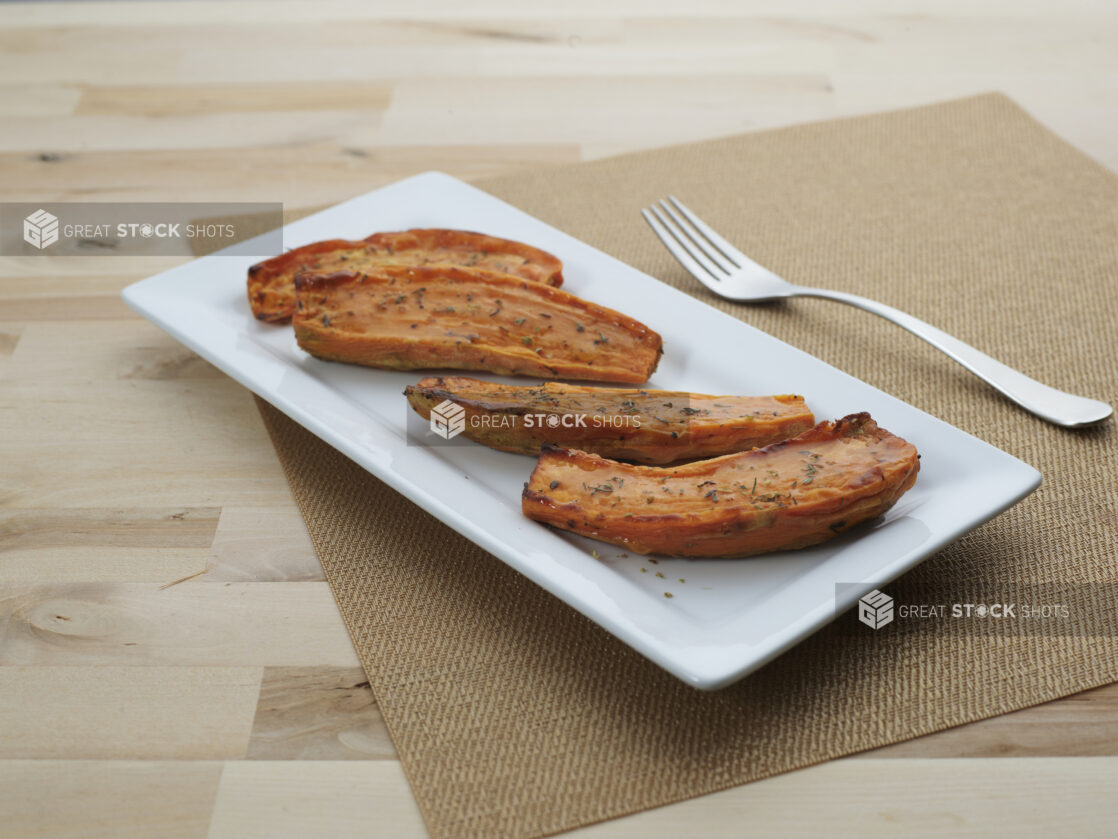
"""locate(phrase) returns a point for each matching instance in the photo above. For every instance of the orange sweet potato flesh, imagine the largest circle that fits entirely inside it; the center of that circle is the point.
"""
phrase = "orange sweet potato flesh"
(271, 284)
(446, 316)
(791, 494)
(646, 426)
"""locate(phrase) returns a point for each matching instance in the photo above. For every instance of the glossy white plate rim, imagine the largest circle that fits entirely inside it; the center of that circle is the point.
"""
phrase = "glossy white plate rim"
(709, 636)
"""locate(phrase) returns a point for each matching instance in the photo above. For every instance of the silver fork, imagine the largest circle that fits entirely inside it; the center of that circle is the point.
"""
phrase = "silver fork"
(731, 274)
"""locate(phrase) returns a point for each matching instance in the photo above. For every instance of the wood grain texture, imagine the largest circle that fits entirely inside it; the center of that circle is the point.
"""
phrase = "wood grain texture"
(106, 799)
(160, 101)
(318, 713)
(77, 352)
(919, 798)
(120, 442)
(228, 624)
(277, 799)
(262, 544)
(127, 463)
(128, 713)
(1082, 725)
(302, 175)
(105, 544)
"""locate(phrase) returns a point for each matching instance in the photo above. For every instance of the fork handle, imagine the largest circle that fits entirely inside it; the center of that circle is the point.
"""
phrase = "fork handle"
(1046, 402)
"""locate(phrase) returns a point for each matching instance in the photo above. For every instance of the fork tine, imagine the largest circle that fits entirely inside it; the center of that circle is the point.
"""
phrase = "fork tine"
(731, 253)
(693, 267)
(698, 239)
(685, 242)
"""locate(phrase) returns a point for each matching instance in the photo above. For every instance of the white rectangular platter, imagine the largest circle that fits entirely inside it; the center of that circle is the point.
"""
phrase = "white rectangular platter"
(727, 617)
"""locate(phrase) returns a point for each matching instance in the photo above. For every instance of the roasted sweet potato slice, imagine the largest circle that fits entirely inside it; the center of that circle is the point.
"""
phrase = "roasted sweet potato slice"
(788, 495)
(271, 284)
(646, 426)
(430, 316)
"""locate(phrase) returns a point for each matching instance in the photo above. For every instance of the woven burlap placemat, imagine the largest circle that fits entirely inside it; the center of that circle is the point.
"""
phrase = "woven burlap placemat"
(515, 716)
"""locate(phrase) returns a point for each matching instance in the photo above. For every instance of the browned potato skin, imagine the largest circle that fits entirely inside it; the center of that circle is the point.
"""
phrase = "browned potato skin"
(447, 316)
(791, 494)
(673, 425)
(271, 283)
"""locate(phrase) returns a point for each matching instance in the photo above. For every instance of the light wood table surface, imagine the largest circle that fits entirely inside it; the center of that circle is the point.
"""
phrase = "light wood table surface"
(171, 660)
